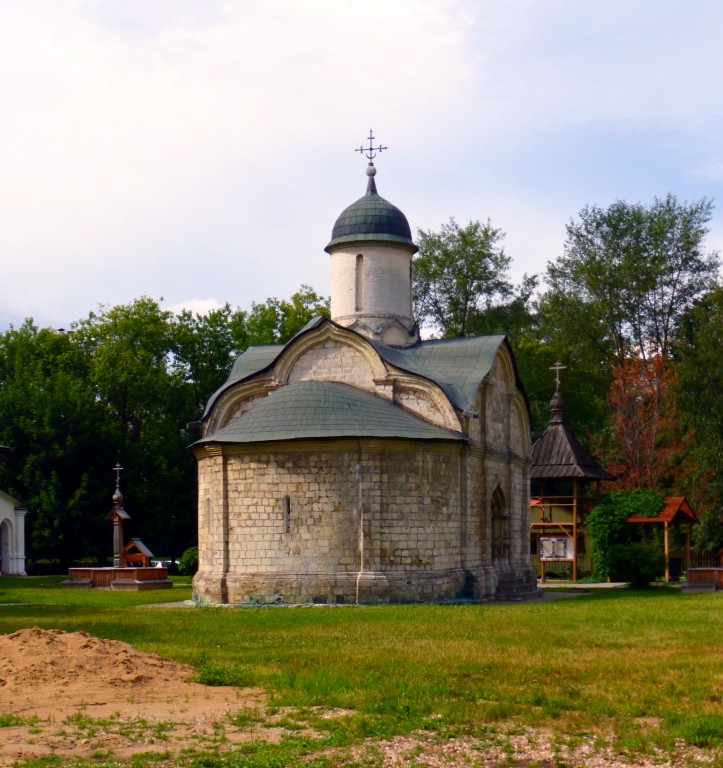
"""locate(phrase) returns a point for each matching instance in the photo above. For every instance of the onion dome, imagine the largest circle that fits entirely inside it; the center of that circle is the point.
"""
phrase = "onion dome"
(371, 218)
(557, 406)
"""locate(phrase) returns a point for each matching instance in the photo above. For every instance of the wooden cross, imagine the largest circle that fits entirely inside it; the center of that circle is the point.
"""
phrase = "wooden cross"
(557, 368)
(371, 150)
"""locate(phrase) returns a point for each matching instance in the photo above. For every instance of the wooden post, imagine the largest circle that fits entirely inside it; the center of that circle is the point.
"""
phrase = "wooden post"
(687, 545)
(574, 530)
(667, 555)
(117, 542)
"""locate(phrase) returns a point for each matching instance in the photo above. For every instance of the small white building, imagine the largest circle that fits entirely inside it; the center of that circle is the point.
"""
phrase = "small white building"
(12, 536)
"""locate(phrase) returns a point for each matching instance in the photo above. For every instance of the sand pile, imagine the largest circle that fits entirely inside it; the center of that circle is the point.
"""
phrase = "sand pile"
(53, 659)
(73, 694)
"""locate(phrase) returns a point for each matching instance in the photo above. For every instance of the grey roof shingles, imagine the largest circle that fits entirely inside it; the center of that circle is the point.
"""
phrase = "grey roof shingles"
(324, 409)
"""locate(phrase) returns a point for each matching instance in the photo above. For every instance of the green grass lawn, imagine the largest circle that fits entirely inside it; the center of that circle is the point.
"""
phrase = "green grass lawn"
(643, 668)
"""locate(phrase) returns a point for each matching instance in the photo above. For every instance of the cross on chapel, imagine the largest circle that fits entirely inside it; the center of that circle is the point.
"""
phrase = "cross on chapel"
(370, 151)
(557, 368)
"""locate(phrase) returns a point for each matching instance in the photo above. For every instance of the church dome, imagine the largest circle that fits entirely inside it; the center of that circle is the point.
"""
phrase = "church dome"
(371, 218)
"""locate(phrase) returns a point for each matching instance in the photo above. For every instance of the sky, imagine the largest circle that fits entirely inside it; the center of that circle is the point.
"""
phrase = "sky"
(199, 151)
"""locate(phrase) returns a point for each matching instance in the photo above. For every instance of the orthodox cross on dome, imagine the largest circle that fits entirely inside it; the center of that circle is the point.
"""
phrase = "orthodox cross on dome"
(557, 368)
(370, 151)
(117, 469)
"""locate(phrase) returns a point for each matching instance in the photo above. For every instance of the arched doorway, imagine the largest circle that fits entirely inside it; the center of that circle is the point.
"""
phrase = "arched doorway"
(6, 537)
(500, 528)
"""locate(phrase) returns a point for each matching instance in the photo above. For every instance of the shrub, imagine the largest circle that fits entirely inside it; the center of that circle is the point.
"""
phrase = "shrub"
(607, 526)
(637, 563)
(188, 564)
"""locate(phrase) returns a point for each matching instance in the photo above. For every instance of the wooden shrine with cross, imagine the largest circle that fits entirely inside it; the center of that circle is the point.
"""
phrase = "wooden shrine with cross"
(561, 469)
(132, 570)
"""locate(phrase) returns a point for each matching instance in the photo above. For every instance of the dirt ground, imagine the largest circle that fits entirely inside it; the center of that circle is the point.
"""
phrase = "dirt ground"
(60, 682)
(75, 695)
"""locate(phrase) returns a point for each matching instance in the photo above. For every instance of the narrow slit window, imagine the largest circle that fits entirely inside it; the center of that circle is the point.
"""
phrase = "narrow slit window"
(359, 283)
(411, 289)
(287, 514)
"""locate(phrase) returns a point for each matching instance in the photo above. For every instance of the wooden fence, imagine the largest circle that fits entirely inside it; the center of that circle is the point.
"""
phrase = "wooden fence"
(705, 559)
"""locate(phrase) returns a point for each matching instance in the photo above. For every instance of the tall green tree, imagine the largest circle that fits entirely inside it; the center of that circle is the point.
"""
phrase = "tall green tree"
(633, 271)
(129, 350)
(627, 276)
(204, 348)
(699, 395)
(277, 321)
(579, 342)
(461, 279)
(62, 440)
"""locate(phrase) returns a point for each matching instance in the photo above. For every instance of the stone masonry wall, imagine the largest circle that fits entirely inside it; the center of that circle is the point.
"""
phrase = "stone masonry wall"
(412, 521)
(332, 361)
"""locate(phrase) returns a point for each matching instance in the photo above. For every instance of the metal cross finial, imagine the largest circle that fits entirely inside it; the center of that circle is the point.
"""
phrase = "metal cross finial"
(557, 368)
(371, 150)
(117, 470)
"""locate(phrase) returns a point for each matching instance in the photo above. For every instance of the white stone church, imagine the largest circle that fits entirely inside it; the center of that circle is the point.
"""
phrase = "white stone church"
(358, 463)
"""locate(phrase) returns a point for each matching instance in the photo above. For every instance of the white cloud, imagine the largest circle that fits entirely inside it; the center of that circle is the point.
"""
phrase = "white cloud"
(195, 148)
(196, 306)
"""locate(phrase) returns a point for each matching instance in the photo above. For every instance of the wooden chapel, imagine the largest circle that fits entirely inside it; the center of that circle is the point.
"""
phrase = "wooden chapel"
(561, 469)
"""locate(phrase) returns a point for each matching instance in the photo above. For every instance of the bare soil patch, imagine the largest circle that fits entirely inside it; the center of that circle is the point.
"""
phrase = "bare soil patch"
(63, 683)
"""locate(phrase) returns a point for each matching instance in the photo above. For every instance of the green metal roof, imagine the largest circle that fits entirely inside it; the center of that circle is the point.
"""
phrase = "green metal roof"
(309, 410)
(254, 359)
(457, 366)
(371, 218)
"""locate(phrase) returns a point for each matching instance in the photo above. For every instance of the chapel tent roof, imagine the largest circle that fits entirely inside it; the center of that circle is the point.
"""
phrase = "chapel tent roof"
(309, 410)
(457, 366)
(558, 454)
(371, 217)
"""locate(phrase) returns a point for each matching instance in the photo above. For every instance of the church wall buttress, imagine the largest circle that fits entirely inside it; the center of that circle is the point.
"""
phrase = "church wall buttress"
(212, 526)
